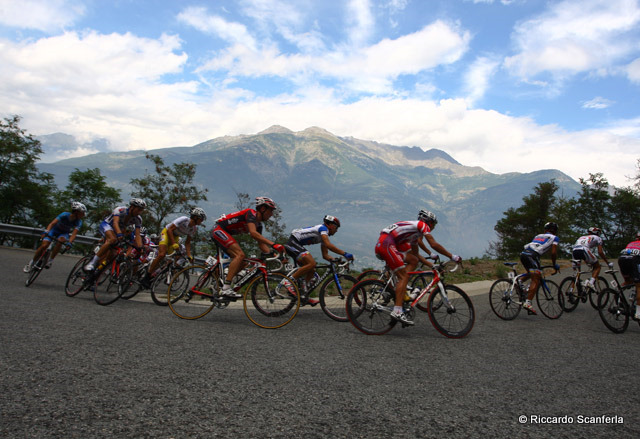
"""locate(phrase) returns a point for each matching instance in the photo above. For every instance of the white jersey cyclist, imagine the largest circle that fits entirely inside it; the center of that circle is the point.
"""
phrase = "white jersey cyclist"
(182, 226)
(542, 243)
(310, 235)
(584, 246)
(119, 214)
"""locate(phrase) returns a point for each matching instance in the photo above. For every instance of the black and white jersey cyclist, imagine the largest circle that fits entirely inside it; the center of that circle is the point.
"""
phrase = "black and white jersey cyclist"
(584, 250)
(318, 234)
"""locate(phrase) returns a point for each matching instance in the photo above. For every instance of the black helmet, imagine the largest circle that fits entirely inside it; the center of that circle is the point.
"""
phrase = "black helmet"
(552, 227)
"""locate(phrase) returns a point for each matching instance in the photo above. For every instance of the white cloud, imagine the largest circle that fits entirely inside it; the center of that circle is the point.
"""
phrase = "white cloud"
(478, 76)
(575, 36)
(44, 15)
(597, 103)
(633, 71)
(359, 22)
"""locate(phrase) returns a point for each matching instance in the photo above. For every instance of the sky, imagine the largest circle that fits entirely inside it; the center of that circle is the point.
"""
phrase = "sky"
(507, 85)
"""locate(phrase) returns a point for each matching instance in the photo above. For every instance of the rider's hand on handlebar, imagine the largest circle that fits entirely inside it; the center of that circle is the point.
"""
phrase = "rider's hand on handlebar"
(433, 256)
(348, 256)
(610, 264)
(278, 247)
(120, 236)
(456, 258)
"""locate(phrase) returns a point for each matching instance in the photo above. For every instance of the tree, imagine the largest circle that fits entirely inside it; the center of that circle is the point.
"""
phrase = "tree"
(593, 204)
(26, 194)
(169, 190)
(625, 222)
(520, 225)
(89, 187)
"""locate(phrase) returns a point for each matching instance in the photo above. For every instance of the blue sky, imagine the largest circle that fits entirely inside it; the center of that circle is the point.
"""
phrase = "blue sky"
(516, 85)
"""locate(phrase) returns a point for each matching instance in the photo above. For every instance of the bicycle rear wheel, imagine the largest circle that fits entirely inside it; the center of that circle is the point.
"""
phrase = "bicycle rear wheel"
(37, 267)
(369, 274)
(135, 272)
(421, 280)
(192, 291)
(77, 276)
(614, 310)
(550, 301)
(272, 300)
(600, 285)
(161, 283)
(369, 307)
(569, 291)
(504, 299)
(333, 296)
(110, 289)
(453, 316)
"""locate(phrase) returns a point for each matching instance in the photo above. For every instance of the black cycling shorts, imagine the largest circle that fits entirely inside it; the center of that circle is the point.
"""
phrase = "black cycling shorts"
(530, 261)
(295, 249)
(630, 266)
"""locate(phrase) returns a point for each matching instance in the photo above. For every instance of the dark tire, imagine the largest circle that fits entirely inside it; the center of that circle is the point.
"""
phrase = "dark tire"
(601, 284)
(614, 310)
(135, 272)
(369, 307)
(161, 283)
(192, 295)
(569, 292)
(550, 302)
(454, 316)
(505, 300)
(369, 274)
(77, 277)
(37, 267)
(108, 290)
(421, 280)
(272, 301)
(333, 296)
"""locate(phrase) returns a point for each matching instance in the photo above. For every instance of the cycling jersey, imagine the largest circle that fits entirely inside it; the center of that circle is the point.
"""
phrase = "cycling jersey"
(63, 227)
(407, 231)
(121, 213)
(182, 227)
(589, 241)
(632, 249)
(396, 239)
(542, 243)
(310, 235)
(236, 223)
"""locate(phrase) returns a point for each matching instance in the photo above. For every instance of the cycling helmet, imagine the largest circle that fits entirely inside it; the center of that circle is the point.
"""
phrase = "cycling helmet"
(329, 219)
(427, 217)
(265, 201)
(143, 231)
(594, 231)
(78, 206)
(552, 227)
(138, 202)
(197, 212)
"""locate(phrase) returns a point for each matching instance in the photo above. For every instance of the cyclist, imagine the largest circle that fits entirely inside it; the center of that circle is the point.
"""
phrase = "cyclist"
(530, 259)
(629, 262)
(398, 247)
(142, 254)
(64, 224)
(243, 222)
(112, 228)
(583, 250)
(312, 235)
(181, 226)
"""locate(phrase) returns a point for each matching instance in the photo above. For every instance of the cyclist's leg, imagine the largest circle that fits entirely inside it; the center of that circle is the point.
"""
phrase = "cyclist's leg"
(56, 248)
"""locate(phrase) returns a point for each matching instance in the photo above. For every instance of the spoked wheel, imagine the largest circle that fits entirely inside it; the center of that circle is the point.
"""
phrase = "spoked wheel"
(161, 283)
(135, 272)
(77, 277)
(192, 291)
(550, 301)
(421, 280)
(109, 289)
(37, 267)
(369, 274)
(600, 285)
(453, 316)
(333, 296)
(369, 307)
(272, 300)
(613, 310)
(505, 300)
(569, 291)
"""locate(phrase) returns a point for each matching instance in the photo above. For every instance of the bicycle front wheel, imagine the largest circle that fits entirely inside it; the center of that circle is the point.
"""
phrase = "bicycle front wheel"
(614, 310)
(36, 268)
(369, 274)
(453, 316)
(271, 300)
(504, 299)
(369, 307)
(333, 296)
(111, 288)
(421, 280)
(133, 286)
(191, 292)
(594, 292)
(161, 283)
(569, 292)
(550, 301)
(76, 279)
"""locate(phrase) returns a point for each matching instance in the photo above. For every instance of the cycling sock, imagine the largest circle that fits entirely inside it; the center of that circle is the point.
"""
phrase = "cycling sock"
(398, 309)
(94, 260)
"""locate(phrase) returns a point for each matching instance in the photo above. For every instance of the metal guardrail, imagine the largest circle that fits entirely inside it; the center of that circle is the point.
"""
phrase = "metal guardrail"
(36, 231)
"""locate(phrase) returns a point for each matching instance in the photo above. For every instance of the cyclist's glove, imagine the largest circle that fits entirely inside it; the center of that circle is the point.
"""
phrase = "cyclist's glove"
(556, 267)
(610, 264)
(278, 247)
(120, 236)
(348, 256)
(68, 244)
(456, 258)
(434, 256)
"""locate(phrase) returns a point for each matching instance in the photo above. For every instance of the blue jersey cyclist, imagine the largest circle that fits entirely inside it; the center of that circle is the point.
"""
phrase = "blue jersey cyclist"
(114, 226)
(295, 247)
(530, 259)
(64, 228)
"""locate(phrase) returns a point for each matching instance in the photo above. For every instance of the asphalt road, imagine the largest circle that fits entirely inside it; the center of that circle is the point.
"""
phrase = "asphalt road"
(73, 369)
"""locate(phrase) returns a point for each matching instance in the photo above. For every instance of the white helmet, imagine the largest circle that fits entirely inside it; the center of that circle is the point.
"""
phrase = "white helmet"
(426, 216)
(198, 213)
(138, 202)
(78, 206)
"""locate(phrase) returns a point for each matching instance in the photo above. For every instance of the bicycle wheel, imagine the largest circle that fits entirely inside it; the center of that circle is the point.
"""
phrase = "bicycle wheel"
(37, 267)
(453, 316)
(191, 292)
(369, 307)
(550, 301)
(272, 300)
(421, 280)
(77, 277)
(569, 292)
(505, 299)
(134, 274)
(333, 296)
(600, 285)
(111, 288)
(161, 283)
(369, 274)
(613, 310)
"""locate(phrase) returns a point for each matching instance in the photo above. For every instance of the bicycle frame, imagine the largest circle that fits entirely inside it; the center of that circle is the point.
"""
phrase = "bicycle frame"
(334, 269)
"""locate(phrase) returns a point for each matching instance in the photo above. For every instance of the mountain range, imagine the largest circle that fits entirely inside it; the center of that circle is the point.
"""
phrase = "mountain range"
(310, 173)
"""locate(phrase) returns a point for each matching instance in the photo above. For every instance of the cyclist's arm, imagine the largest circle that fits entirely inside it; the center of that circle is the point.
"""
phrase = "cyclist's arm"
(263, 243)
(171, 239)
(73, 236)
(554, 254)
(422, 245)
(602, 255)
(138, 239)
(51, 225)
(437, 247)
(327, 245)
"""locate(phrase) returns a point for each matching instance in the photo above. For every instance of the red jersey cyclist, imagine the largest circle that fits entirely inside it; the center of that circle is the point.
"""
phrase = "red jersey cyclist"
(245, 221)
(312, 235)
(629, 262)
(398, 247)
(63, 228)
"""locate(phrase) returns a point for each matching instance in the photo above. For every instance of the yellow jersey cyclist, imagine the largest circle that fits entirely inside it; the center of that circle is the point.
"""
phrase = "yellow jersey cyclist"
(247, 221)
(318, 234)
(64, 228)
(181, 226)
(114, 226)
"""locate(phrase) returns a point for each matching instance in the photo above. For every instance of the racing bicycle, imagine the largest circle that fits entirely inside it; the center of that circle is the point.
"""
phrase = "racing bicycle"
(574, 291)
(37, 266)
(617, 306)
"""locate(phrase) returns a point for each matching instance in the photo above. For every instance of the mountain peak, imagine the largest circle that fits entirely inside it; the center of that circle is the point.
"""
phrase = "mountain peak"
(316, 131)
(277, 129)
